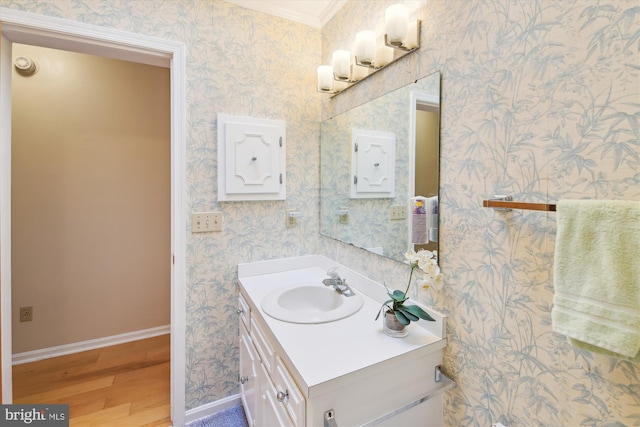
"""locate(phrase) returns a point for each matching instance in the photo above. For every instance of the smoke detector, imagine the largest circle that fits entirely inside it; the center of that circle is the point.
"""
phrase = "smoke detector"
(25, 66)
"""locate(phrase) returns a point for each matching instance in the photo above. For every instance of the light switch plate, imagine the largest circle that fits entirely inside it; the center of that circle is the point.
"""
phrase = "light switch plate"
(202, 222)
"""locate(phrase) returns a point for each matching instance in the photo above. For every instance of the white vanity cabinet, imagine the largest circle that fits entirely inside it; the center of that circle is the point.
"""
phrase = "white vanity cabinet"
(344, 373)
(269, 394)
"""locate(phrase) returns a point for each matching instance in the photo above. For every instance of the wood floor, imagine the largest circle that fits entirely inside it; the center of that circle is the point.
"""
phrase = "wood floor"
(126, 385)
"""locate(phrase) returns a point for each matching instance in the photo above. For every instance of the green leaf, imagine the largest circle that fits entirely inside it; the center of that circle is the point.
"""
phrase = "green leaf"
(401, 318)
(398, 296)
(383, 307)
(412, 317)
(417, 311)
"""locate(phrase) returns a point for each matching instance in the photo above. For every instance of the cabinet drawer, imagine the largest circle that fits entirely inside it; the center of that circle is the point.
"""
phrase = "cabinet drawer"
(290, 396)
(266, 352)
(244, 311)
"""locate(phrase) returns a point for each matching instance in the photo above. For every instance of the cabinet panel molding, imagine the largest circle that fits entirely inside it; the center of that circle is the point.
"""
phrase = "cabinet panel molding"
(251, 158)
(373, 164)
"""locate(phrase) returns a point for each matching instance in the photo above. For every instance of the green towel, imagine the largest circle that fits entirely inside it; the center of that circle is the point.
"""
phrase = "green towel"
(597, 276)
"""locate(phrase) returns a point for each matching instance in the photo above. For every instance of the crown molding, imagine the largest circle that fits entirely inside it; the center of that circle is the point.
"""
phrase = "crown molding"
(332, 8)
(300, 12)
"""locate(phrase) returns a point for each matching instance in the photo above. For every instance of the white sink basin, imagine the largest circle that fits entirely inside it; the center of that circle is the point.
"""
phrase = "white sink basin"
(309, 303)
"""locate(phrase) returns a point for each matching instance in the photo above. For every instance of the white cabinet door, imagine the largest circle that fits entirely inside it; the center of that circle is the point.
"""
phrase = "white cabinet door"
(251, 158)
(262, 344)
(245, 312)
(293, 400)
(271, 412)
(373, 164)
(249, 366)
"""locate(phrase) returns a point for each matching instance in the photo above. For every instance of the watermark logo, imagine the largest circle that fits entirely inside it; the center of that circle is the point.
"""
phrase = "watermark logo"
(34, 415)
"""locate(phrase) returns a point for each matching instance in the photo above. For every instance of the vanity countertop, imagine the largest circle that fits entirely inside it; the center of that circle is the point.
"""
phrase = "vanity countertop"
(326, 351)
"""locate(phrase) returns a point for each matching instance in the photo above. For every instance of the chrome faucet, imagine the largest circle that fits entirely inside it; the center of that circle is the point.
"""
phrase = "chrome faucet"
(338, 283)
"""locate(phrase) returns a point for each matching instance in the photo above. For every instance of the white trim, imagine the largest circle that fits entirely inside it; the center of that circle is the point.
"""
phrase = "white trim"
(332, 8)
(55, 33)
(305, 12)
(22, 27)
(5, 216)
(209, 409)
(63, 350)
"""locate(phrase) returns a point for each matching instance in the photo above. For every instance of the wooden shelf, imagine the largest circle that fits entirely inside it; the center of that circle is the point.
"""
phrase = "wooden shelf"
(501, 204)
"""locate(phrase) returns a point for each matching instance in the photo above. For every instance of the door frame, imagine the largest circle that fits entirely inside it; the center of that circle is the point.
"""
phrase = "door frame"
(39, 30)
(417, 99)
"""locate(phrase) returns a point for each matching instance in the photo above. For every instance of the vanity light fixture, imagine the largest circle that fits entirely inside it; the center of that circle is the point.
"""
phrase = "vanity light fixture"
(401, 38)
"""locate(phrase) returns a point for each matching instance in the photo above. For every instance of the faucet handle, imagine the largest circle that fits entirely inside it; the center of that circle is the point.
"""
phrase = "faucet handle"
(333, 273)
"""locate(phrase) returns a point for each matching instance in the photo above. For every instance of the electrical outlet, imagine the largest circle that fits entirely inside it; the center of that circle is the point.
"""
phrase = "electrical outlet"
(292, 217)
(26, 314)
(202, 222)
(292, 221)
(344, 215)
(398, 212)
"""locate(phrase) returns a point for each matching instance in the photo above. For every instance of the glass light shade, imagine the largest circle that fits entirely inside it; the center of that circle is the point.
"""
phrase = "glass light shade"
(325, 77)
(342, 64)
(396, 23)
(412, 36)
(366, 46)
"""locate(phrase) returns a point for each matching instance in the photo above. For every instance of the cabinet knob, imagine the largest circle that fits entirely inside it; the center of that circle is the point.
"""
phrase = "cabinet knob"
(243, 379)
(282, 395)
(239, 311)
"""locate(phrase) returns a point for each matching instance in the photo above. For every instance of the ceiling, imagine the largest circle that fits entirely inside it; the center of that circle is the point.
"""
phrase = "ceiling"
(315, 13)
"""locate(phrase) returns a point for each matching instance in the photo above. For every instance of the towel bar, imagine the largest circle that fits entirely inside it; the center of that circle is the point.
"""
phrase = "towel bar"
(507, 203)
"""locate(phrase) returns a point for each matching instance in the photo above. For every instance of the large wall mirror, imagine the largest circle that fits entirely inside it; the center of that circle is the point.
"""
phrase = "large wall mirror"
(379, 171)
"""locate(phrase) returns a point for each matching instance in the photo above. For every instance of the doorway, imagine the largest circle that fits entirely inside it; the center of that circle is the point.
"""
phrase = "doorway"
(19, 27)
(424, 143)
(90, 171)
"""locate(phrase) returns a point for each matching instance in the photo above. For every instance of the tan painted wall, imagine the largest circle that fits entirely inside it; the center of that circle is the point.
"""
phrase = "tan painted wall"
(427, 158)
(90, 198)
(427, 153)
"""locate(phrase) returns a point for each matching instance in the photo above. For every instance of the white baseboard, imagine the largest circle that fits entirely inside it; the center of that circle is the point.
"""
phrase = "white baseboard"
(62, 350)
(212, 408)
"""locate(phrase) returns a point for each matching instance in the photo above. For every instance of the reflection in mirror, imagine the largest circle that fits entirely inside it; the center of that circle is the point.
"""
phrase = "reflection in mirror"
(379, 171)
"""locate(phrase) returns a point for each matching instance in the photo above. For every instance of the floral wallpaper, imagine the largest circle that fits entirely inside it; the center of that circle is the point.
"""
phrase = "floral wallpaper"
(539, 100)
(239, 62)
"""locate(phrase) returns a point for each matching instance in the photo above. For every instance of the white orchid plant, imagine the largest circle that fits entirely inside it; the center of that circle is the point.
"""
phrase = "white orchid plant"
(428, 275)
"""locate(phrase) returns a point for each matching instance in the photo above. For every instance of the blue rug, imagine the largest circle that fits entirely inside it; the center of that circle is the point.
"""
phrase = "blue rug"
(230, 417)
